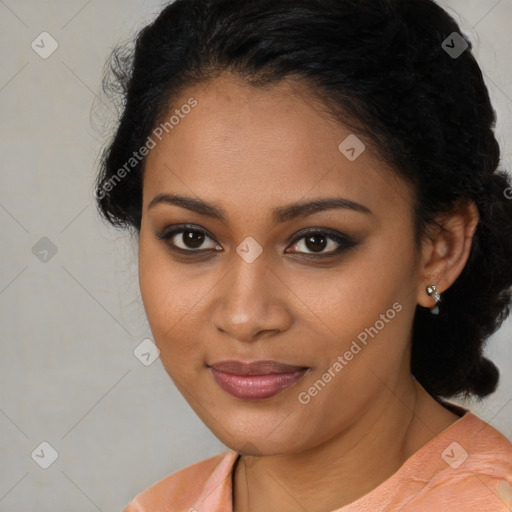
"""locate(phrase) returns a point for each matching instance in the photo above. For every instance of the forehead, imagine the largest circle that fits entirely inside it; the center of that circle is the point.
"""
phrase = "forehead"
(257, 146)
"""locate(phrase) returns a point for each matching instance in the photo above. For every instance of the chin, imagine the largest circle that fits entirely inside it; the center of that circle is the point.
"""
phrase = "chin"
(258, 442)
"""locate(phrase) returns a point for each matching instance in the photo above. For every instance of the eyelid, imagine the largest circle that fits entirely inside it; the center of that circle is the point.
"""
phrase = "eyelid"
(169, 232)
(341, 239)
(344, 242)
(330, 233)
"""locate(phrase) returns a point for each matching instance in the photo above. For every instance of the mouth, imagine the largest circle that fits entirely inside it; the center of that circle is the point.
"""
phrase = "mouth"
(257, 380)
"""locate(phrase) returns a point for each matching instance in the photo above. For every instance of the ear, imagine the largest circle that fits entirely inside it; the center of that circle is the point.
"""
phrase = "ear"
(445, 251)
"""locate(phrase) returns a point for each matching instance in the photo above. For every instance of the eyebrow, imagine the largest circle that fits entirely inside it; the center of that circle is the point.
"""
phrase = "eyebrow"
(280, 214)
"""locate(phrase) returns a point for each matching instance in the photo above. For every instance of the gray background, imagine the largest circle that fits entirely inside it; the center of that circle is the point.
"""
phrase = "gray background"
(68, 375)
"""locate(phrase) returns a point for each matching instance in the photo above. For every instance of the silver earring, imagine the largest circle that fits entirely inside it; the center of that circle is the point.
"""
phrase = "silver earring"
(432, 292)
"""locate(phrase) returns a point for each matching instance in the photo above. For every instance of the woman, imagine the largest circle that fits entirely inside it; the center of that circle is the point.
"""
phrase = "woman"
(324, 247)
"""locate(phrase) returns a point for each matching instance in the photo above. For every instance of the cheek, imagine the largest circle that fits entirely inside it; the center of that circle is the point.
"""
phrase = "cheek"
(170, 302)
(363, 310)
(345, 299)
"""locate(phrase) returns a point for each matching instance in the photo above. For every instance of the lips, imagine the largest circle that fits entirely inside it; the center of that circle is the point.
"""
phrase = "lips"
(256, 380)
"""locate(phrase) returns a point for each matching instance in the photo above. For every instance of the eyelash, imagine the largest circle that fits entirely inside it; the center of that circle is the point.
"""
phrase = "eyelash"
(344, 241)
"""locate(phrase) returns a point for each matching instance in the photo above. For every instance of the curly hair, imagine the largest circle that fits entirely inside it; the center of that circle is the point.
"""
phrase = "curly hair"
(381, 67)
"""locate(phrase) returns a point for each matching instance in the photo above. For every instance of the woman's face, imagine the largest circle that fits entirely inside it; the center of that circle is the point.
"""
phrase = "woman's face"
(259, 280)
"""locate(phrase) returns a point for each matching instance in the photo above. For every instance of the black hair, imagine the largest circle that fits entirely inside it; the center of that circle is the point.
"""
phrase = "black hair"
(392, 69)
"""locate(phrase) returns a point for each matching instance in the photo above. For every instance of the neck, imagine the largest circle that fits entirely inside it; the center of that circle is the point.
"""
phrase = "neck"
(349, 464)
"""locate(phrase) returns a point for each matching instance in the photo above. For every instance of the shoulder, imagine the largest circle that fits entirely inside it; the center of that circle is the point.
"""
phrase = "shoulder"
(179, 491)
(473, 469)
(488, 450)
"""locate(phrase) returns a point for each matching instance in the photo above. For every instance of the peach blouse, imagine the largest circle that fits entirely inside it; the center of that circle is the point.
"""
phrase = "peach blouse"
(467, 467)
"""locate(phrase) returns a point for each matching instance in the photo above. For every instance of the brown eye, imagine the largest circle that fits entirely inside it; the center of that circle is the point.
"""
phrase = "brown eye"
(193, 239)
(187, 240)
(316, 242)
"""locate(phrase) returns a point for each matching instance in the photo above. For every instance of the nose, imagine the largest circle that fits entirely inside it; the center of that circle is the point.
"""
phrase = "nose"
(251, 302)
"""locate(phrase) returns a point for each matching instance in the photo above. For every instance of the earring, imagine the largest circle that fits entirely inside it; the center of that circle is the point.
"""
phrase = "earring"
(431, 291)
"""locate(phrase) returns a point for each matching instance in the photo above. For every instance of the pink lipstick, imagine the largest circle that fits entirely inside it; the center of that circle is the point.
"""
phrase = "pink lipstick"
(256, 380)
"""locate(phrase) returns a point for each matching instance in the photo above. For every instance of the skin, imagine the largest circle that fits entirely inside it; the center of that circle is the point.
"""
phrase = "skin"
(249, 151)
